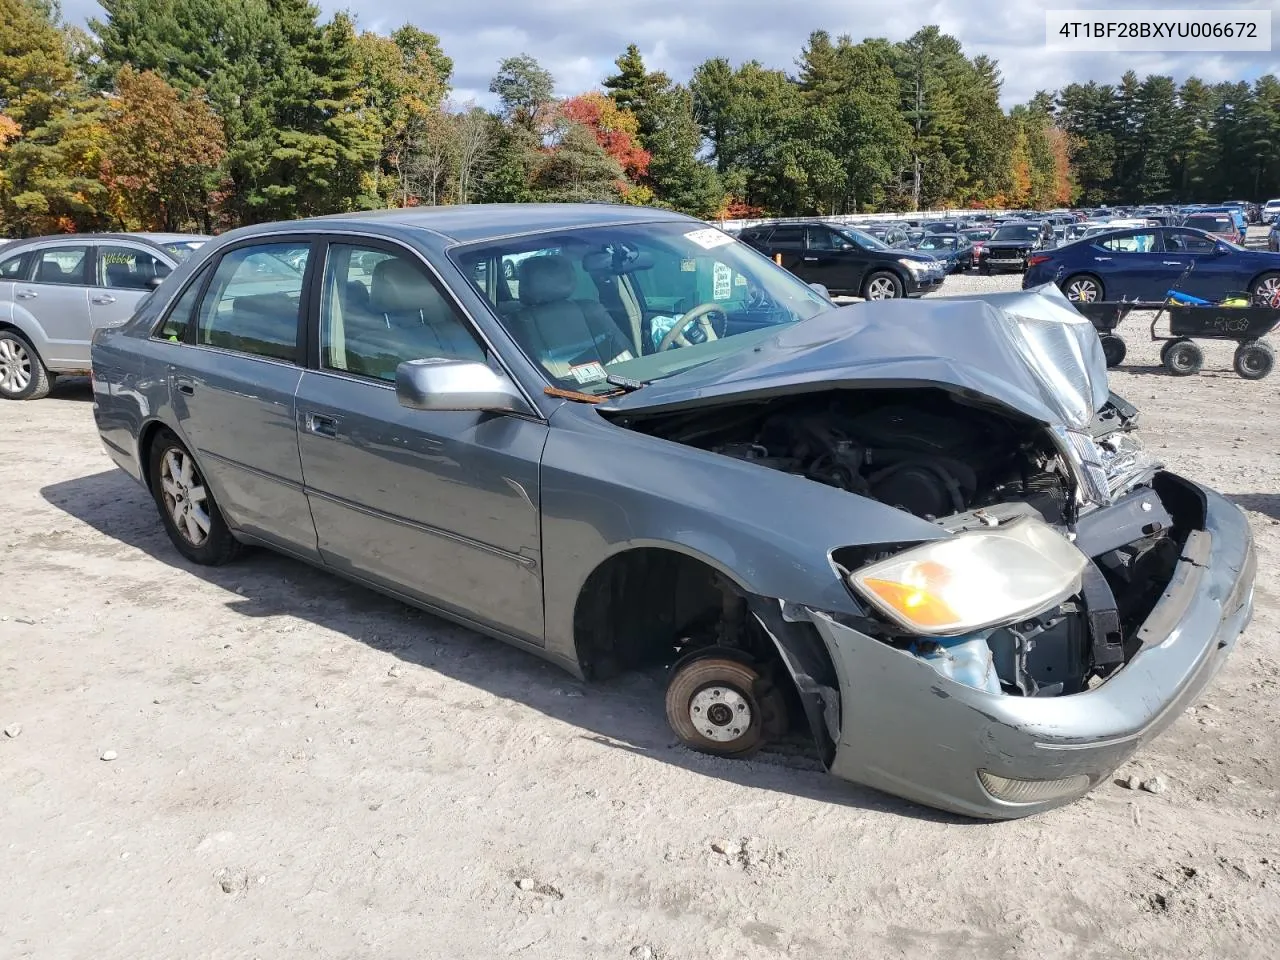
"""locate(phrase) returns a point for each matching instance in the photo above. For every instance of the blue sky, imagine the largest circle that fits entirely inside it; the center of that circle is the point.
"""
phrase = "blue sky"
(577, 40)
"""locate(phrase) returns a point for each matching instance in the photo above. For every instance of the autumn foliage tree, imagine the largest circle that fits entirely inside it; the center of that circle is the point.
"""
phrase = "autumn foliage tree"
(163, 157)
(614, 129)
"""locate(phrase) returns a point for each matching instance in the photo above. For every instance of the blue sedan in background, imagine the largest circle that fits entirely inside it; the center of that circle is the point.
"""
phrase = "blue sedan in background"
(1147, 262)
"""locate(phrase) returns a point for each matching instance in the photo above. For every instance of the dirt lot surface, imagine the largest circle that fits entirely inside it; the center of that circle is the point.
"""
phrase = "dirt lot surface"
(301, 768)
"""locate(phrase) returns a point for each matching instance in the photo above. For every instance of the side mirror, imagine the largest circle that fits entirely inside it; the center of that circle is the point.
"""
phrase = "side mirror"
(444, 384)
(822, 289)
(1221, 250)
(153, 282)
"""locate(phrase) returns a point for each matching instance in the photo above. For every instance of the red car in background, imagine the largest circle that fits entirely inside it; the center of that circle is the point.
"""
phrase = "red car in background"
(1221, 225)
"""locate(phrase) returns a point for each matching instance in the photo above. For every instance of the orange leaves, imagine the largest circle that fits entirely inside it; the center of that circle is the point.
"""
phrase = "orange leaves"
(614, 129)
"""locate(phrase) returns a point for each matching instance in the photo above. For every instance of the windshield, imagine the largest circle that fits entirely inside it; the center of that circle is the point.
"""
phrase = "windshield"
(1210, 224)
(1017, 231)
(978, 234)
(641, 301)
(183, 248)
(864, 240)
(937, 243)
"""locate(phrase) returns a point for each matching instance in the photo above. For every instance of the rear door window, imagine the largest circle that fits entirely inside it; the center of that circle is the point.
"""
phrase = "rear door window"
(1130, 243)
(62, 266)
(254, 299)
(788, 237)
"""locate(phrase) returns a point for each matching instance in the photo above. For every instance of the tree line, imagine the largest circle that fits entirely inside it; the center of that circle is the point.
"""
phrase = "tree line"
(208, 114)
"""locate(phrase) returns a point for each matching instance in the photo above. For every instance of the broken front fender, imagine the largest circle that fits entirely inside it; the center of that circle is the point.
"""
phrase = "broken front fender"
(910, 731)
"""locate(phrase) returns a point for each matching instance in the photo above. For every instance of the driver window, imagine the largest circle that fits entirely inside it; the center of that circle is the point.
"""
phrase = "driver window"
(1188, 242)
(379, 308)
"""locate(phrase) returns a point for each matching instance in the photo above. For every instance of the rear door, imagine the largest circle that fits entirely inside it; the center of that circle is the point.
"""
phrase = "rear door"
(829, 260)
(786, 245)
(1131, 265)
(56, 301)
(233, 387)
(123, 278)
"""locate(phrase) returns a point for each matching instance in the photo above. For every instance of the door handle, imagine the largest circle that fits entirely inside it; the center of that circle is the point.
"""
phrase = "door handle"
(1172, 263)
(26, 295)
(104, 298)
(321, 425)
(810, 259)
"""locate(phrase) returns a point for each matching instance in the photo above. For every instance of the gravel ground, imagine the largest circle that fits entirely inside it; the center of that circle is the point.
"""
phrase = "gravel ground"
(262, 761)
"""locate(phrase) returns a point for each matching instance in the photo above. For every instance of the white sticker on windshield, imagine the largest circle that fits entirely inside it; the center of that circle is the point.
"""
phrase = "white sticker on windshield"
(721, 281)
(587, 372)
(709, 238)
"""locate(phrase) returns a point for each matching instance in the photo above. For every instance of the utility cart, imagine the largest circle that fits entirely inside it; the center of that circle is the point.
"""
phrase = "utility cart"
(1241, 318)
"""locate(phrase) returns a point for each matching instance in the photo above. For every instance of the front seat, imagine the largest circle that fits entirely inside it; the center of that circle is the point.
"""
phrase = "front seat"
(557, 330)
(409, 304)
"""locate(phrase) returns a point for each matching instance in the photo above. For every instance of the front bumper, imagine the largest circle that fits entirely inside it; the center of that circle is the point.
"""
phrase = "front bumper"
(907, 730)
(916, 286)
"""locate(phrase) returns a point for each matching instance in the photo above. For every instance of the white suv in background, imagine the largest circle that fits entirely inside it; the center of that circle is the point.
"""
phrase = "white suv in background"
(1271, 211)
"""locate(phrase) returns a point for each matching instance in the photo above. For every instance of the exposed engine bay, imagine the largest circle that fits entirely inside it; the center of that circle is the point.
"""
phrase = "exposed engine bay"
(963, 467)
(919, 451)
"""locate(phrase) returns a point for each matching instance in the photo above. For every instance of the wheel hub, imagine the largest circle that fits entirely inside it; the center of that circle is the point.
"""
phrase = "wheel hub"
(719, 713)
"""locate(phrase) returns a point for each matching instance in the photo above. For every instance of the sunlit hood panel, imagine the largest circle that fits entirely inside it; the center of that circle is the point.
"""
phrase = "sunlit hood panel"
(1029, 351)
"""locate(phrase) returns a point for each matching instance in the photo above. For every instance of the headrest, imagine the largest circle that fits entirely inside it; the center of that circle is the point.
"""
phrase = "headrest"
(119, 275)
(398, 286)
(546, 279)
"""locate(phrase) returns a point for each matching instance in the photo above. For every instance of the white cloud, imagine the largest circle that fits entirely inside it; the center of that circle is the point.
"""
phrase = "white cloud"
(577, 40)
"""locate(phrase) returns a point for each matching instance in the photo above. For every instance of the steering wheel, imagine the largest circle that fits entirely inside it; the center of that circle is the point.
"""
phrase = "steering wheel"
(702, 314)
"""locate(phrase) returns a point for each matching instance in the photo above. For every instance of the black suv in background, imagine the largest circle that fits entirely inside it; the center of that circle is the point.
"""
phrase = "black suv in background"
(1012, 243)
(847, 262)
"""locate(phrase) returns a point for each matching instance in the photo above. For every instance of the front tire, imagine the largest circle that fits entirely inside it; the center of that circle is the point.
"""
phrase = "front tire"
(882, 286)
(187, 509)
(23, 375)
(722, 706)
(1266, 289)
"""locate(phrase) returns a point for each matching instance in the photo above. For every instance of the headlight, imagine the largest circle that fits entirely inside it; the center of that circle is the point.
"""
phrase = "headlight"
(915, 266)
(973, 580)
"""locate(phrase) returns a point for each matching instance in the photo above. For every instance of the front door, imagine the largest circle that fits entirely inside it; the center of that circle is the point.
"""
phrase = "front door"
(442, 507)
(1197, 267)
(233, 389)
(123, 276)
(57, 301)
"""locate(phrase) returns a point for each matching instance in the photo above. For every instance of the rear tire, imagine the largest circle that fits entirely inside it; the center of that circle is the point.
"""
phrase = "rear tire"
(188, 511)
(722, 706)
(1182, 358)
(23, 375)
(1083, 287)
(1114, 349)
(1254, 360)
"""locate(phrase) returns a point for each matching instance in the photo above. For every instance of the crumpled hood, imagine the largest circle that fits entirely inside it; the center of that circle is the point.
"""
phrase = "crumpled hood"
(1029, 351)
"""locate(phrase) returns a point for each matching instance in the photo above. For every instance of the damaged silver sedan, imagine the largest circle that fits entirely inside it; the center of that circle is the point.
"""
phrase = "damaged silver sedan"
(922, 533)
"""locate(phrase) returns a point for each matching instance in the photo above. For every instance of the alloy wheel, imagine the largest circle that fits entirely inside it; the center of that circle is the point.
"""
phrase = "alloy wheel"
(185, 496)
(1085, 291)
(15, 366)
(881, 288)
(1268, 290)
